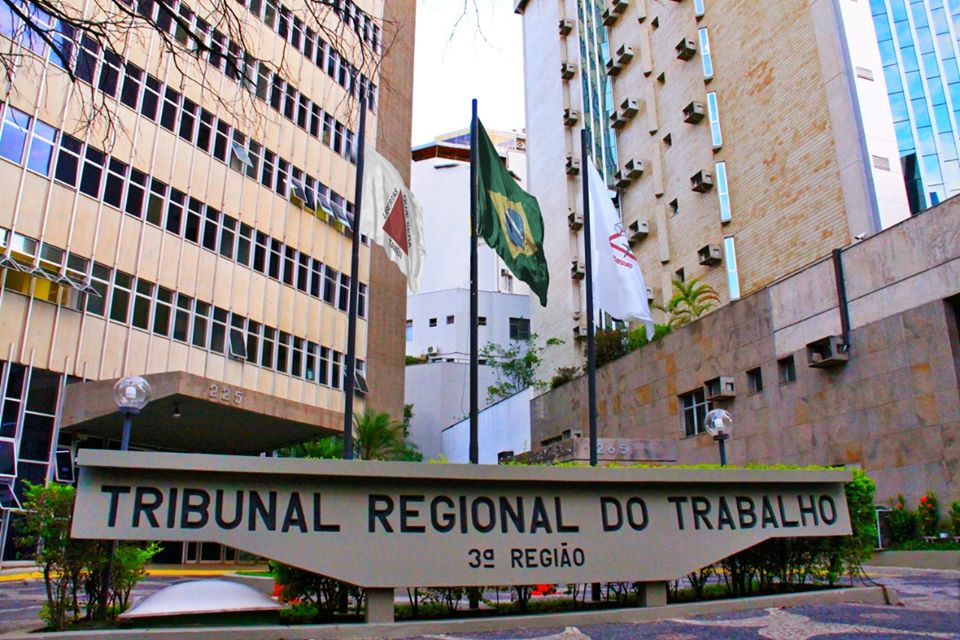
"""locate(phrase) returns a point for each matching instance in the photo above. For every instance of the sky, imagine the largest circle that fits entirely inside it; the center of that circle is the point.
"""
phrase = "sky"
(455, 63)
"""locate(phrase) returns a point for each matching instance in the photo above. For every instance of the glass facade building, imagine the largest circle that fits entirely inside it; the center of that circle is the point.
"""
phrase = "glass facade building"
(919, 50)
(597, 87)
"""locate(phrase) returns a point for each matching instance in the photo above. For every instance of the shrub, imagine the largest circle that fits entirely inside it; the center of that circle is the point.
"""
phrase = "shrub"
(610, 344)
(324, 595)
(902, 521)
(928, 514)
(637, 337)
(955, 517)
(563, 376)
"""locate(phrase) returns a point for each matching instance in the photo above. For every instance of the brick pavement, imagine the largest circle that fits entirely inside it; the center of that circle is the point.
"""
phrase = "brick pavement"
(931, 609)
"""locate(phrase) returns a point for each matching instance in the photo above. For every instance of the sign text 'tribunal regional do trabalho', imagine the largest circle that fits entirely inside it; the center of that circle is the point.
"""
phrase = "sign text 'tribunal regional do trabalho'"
(381, 525)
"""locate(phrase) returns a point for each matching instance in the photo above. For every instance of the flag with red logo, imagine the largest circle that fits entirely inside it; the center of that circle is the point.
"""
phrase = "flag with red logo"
(391, 217)
(618, 286)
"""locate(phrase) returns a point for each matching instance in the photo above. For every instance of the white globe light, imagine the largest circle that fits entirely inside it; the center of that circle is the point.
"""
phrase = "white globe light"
(718, 422)
(131, 393)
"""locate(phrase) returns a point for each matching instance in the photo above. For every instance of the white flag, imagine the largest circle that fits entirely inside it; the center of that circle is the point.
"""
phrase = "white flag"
(391, 217)
(618, 286)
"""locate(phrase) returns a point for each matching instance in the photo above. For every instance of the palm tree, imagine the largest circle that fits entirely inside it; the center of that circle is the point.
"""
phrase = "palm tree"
(690, 301)
(377, 436)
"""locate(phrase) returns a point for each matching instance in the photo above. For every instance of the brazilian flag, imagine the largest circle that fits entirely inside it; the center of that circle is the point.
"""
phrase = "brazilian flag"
(508, 218)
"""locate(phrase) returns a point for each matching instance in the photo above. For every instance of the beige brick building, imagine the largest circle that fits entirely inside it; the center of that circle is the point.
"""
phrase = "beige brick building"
(889, 405)
(196, 232)
(731, 130)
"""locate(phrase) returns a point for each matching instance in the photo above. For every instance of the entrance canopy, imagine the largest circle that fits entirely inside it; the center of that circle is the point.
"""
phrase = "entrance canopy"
(214, 417)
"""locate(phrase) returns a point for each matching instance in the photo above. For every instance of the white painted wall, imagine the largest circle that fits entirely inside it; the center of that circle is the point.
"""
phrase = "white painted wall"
(453, 340)
(875, 113)
(439, 393)
(504, 426)
(442, 187)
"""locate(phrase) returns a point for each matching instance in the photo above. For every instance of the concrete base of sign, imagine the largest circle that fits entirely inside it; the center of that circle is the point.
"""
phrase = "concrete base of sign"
(862, 595)
(379, 606)
(653, 594)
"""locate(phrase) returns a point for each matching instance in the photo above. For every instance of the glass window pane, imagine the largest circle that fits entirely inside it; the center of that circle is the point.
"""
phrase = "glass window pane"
(14, 136)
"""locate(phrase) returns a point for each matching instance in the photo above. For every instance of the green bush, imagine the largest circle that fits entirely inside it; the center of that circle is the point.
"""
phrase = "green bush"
(955, 517)
(563, 376)
(71, 566)
(928, 514)
(325, 595)
(637, 337)
(902, 521)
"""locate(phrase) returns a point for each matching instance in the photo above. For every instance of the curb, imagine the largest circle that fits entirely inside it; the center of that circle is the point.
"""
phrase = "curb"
(860, 595)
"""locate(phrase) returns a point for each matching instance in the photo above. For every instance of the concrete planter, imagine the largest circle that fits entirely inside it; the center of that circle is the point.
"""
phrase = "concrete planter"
(943, 560)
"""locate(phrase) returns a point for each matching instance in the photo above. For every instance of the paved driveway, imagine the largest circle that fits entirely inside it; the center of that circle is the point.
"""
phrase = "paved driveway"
(931, 609)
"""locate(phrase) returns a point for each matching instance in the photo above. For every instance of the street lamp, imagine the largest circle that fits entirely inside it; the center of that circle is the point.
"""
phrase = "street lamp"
(131, 395)
(719, 423)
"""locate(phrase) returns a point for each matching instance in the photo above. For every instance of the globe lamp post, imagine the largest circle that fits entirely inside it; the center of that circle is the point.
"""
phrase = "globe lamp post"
(719, 423)
(131, 394)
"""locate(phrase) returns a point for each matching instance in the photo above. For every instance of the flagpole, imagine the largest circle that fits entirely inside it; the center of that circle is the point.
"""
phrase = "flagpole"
(474, 355)
(351, 358)
(591, 333)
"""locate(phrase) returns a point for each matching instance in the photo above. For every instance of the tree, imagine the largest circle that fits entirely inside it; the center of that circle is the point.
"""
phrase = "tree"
(377, 436)
(690, 300)
(188, 36)
(516, 365)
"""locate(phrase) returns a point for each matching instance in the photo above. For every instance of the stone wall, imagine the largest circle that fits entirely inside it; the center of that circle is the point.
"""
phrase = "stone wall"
(893, 409)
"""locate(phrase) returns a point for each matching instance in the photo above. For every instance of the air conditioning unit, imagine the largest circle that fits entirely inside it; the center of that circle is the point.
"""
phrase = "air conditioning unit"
(619, 6)
(566, 26)
(709, 255)
(625, 54)
(613, 67)
(570, 117)
(567, 70)
(577, 271)
(633, 168)
(576, 315)
(608, 17)
(572, 166)
(701, 181)
(521, 144)
(720, 388)
(629, 107)
(639, 229)
(569, 434)
(694, 112)
(432, 351)
(575, 220)
(579, 332)
(621, 180)
(617, 120)
(686, 49)
(651, 294)
(827, 352)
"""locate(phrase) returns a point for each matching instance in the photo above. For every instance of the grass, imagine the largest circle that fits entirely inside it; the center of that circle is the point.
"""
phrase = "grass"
(256, 574)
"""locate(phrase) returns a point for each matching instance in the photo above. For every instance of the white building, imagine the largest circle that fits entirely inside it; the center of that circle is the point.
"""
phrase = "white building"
(438, 317)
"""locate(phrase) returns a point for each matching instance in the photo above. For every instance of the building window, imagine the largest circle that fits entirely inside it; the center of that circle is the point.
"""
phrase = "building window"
(409, 330)
(698, 8)
(450, 319)
(16, 124)
(120, 303)
(674, 206)
(481, 321)
(432, 322)
(755, 380)
(730, 260)
(507, 284)
(705, 54)
(714, 112)
(695, 407)
(519, 328)
(723, 192)
(787, 370)
(680, 275)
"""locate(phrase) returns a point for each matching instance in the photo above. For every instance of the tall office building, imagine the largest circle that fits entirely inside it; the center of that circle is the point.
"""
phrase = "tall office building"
(741, 140)
(918, 49)
(195, 230)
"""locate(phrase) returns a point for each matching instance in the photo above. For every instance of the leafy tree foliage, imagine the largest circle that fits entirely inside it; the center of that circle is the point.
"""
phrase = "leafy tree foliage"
(516, 365)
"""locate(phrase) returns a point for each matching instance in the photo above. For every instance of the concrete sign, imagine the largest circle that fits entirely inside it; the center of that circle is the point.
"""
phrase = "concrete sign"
(382, 525)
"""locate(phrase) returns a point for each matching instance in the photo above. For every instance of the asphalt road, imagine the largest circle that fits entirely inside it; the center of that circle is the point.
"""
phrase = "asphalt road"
(931, 609)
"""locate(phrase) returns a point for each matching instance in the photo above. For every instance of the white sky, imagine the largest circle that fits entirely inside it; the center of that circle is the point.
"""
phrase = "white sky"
(449, 71)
